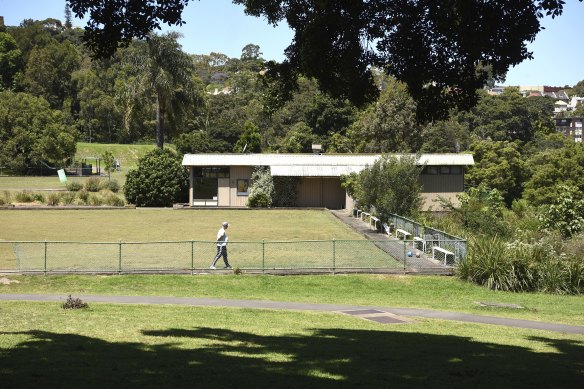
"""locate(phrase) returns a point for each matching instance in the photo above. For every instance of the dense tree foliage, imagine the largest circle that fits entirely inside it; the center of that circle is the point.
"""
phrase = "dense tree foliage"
(498, 165)
(115, 22)
(11, 62)
(159, 180)
(32, 133)
(389, 186)
(432, 46)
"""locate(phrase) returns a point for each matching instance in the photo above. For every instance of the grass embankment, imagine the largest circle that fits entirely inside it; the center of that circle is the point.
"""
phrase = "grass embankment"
(168, 346)
(433, 292)
(127, 154)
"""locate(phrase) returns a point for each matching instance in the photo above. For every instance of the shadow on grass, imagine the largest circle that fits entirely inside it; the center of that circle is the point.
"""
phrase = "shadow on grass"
(326, 358)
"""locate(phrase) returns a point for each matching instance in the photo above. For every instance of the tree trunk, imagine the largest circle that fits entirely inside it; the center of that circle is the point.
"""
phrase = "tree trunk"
(159, 123)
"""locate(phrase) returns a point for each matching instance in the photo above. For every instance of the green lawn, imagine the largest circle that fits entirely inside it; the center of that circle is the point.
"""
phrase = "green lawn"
(248, 229)
(169, 346)
(434, 292)
(127, 154)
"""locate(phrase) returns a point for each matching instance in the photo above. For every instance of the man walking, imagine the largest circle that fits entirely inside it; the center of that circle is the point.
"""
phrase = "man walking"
(221, 247)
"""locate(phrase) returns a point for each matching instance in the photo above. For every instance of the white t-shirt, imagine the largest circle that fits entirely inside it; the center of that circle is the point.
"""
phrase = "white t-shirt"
(221, 237)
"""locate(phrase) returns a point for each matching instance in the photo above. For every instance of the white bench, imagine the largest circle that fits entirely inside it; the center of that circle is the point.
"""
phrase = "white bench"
(444, 251)
(403, 232)
(364, 215)
(373, 222)
(422, 240)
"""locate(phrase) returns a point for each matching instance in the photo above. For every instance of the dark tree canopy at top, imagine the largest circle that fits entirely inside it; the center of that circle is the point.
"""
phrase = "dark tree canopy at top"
(442, 49)
(112, 22)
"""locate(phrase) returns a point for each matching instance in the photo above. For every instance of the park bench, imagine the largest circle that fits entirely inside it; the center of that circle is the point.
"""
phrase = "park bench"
(422, 241)
(373, 222)
(365, 215)
(444, 251)
(403, 232)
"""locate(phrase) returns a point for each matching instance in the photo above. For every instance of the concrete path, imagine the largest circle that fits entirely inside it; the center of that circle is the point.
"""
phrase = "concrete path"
(392, 246)
(379, 314)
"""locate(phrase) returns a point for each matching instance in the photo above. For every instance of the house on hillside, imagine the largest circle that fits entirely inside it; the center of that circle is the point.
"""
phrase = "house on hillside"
(222, 180)
(570, 127)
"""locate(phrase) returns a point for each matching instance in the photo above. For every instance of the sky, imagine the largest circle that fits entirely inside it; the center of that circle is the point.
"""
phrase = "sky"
(220, 26)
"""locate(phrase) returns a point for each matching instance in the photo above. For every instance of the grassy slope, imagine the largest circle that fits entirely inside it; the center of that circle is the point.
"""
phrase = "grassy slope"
(444, 293)
(127, 154)
(167, 346)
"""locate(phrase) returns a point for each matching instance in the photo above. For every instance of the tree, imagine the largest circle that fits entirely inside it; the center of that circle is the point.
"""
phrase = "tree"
(250, 140)
(109, 162)
(159, 180)
(118, 22)
(389, 125)
(298, 140)
(11, 61)
(390, 186)
(550, 169)
(48, 72)
(166, 72)
(32, 133)
(566, 213)
(498, 165)
(434, 47)
(445, 136)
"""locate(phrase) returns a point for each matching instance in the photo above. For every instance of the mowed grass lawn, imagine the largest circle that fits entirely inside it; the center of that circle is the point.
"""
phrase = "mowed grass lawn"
(110, 345)
(42, 345)
(128, 156)
(248, 228)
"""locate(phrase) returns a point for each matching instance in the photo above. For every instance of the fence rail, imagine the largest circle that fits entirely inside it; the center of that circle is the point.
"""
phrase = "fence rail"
(190, 256)
(450, 249)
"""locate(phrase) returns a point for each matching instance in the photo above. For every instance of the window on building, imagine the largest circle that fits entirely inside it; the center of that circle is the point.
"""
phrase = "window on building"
(242, 187)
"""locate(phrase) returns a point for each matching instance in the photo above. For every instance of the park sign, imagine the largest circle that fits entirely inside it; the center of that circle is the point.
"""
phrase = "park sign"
(62, 176)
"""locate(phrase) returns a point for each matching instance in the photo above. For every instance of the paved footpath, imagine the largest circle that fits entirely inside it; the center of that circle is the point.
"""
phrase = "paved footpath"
(392, 315)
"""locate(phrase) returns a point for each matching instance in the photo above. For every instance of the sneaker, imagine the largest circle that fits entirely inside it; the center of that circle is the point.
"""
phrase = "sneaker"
(212, 267)
(228, 267)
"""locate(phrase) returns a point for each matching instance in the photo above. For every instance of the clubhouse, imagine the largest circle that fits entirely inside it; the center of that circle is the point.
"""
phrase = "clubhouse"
(222, 180)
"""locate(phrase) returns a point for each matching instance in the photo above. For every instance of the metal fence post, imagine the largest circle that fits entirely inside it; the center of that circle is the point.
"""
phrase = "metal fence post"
(120, 257)
(263, 256)
(192, 257)
(405, 254)
(45, 257)
(334, 254)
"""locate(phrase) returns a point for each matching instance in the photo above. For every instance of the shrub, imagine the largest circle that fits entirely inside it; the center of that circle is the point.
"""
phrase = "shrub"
(93, 184)
(112, 185)
(114, 201)
(74, 186)
(261, 189)
(68, 198)
(38, 197)
(95, 200)
(24, 197)
(566, 214)
(487, 264)
(53, 199)
(74, 303)
(83, 196)
(158, 181)
(7, 196)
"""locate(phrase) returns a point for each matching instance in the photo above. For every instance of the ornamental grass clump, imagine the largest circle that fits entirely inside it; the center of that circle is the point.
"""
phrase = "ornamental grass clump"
(74, 303)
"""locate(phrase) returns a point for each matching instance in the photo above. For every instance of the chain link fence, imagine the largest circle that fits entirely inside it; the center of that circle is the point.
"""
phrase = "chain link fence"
(445, 248)
(194, 256)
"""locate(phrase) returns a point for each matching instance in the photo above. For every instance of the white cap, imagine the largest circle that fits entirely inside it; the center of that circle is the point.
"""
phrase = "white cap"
(225, 224)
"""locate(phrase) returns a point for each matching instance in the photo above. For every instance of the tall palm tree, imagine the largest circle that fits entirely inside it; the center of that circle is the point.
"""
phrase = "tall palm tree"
(166, 72)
